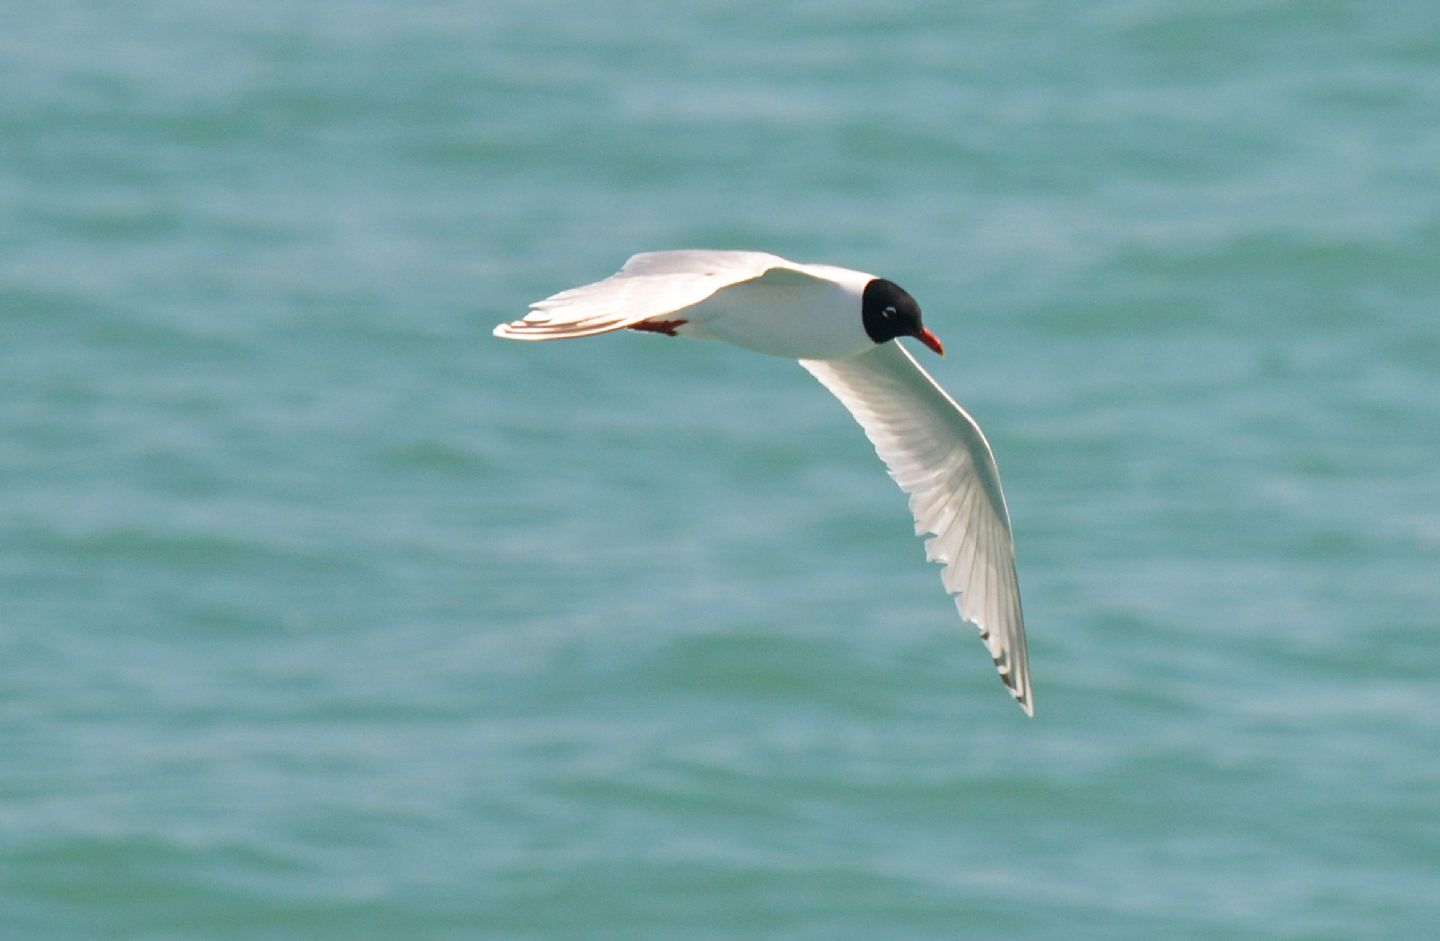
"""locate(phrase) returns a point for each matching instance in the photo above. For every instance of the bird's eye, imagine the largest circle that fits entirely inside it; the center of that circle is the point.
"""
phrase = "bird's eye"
(889, 313)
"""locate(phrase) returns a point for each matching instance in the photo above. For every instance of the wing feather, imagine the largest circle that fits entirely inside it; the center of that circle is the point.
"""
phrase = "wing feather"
(938, 455)
(650, 285)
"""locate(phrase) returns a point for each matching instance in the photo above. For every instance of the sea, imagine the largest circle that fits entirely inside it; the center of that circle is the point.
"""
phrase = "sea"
(324, 614)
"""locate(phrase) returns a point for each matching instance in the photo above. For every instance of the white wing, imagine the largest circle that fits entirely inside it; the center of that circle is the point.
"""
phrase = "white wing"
(650, 285)
(938, 455)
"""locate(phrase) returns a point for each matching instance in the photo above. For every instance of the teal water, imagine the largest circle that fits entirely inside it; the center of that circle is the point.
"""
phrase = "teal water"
(325, 615)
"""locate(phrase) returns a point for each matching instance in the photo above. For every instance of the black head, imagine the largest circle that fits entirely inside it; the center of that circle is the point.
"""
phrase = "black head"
(888, 311)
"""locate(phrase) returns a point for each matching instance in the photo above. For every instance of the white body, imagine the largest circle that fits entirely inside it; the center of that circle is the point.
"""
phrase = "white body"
(800, 314)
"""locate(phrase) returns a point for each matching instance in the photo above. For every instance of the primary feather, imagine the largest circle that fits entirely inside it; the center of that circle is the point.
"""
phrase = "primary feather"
(652, 284)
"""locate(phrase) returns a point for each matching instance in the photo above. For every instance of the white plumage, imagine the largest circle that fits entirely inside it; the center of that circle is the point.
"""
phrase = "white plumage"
(841, 325)
(938, 455)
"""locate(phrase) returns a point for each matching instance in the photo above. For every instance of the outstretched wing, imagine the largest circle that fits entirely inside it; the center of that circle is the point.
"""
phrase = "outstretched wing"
(650, 285)
(938, 455)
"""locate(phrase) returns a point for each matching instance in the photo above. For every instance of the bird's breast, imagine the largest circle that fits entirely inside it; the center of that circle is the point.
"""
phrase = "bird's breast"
(800, 321)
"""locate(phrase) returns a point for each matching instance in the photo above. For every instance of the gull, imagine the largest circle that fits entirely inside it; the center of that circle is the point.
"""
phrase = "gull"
(843, 326)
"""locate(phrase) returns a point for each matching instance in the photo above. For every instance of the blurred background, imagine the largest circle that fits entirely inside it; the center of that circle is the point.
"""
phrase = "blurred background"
(323, 614)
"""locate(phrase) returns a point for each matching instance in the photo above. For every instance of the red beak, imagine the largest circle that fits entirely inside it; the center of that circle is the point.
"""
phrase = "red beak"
(930, 340)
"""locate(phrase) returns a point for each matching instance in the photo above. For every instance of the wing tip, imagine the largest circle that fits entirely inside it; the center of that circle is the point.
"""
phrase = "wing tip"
(517, 330)
(533, 330)
(1024, 698)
